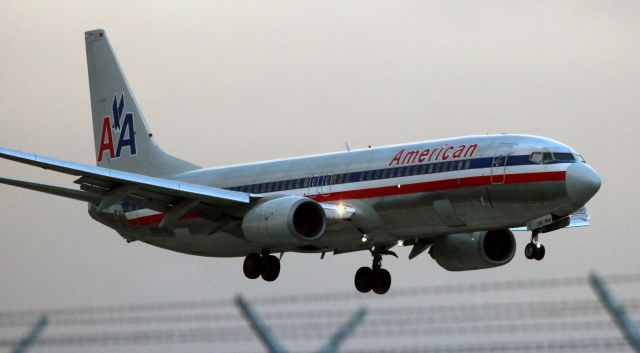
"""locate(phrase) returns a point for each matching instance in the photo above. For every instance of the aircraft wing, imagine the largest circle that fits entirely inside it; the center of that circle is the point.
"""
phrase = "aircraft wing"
(579, 218)
(107, 187)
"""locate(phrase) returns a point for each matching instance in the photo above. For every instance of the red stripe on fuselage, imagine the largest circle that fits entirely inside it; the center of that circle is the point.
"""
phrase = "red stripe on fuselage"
(155, 219)
(405, 189)
(440, 185)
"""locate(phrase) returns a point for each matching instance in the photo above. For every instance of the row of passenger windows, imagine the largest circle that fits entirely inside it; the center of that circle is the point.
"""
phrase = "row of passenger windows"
(319, 181)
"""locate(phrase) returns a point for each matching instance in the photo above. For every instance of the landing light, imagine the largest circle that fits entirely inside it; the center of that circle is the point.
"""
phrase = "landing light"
(400, 242)
(364, 238)
(341, 209)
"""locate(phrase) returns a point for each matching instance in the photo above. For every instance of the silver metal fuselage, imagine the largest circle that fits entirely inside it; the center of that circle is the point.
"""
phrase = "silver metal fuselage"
(419, 190)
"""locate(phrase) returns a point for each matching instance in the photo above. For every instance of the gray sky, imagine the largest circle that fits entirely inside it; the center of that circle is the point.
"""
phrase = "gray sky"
(228, 82)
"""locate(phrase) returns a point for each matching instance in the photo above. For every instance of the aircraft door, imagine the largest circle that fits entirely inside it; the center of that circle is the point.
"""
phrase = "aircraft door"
(499, 163)
(325, 186)
(314, 186)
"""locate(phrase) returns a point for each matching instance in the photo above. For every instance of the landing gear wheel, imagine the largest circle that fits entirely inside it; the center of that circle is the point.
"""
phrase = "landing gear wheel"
(270, 268)
(364, 279)
(382, 281)
(539, 253)
(252, 266)
(529, 251)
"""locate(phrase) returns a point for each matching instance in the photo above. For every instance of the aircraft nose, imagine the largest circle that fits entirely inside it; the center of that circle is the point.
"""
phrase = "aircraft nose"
(582, 182)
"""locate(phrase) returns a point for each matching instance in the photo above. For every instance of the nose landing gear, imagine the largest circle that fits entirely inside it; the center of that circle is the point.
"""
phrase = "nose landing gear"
(375, 277)
(534, 250)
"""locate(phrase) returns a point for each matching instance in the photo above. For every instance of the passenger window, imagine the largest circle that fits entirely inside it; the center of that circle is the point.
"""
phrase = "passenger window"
(467, 164)
(423, 169)
(438, 167)
(430, 169)
(376, 174)
(460, 165)
(314, 182)
(383, 174)
(333, 179)
(339, 179)
(305, 183)
(392, 172)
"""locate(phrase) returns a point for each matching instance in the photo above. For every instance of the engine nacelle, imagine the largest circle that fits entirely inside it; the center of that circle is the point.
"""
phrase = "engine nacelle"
(285, 220)
(473, 251)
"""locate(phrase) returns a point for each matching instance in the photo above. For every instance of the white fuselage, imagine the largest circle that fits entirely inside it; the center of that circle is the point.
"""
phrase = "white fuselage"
(418, 190)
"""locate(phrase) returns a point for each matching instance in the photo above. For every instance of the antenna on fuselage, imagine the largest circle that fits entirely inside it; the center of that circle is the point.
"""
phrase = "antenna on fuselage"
(346, 144)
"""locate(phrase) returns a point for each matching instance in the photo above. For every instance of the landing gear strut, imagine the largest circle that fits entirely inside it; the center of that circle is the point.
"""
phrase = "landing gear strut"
(375, 277)
(534, 250)
(265, 265)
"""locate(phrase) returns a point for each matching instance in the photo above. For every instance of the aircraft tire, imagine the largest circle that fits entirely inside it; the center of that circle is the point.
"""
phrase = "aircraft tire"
(252, 266)
(364, 279)
(539, 254)
(382, 281)
(530, 251)
(270, 268)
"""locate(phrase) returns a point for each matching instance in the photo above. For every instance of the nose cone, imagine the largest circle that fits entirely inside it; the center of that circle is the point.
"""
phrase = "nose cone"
(582, 183)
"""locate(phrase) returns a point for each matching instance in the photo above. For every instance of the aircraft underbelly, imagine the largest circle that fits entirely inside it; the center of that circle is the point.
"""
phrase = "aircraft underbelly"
(420, 215)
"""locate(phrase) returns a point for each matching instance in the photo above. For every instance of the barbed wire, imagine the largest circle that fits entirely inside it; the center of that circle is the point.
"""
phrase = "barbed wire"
(475, 321)
(391, 314)
(496, 286)
(293, 332)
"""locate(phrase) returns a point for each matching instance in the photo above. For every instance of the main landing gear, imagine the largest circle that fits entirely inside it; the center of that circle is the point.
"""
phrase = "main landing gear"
(534, 250)
(375, 277)
(265, 265)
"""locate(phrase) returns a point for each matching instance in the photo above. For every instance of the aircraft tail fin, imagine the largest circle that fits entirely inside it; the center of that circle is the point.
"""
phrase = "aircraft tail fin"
(122, 138)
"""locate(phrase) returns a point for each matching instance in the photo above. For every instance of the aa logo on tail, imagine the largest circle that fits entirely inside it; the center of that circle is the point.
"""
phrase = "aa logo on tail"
(121, 126)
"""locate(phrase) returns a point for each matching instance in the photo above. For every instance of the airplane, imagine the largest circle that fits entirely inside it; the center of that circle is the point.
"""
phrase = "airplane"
(459, 198)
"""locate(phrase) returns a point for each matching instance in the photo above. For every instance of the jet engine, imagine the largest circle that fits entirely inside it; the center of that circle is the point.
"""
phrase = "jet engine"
(285, 220)
(474, 251)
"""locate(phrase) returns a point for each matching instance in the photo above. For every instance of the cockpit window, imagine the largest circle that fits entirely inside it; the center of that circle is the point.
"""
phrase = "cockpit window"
(548, 157)
(536, 157)
(563, 156)
(579, 158)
